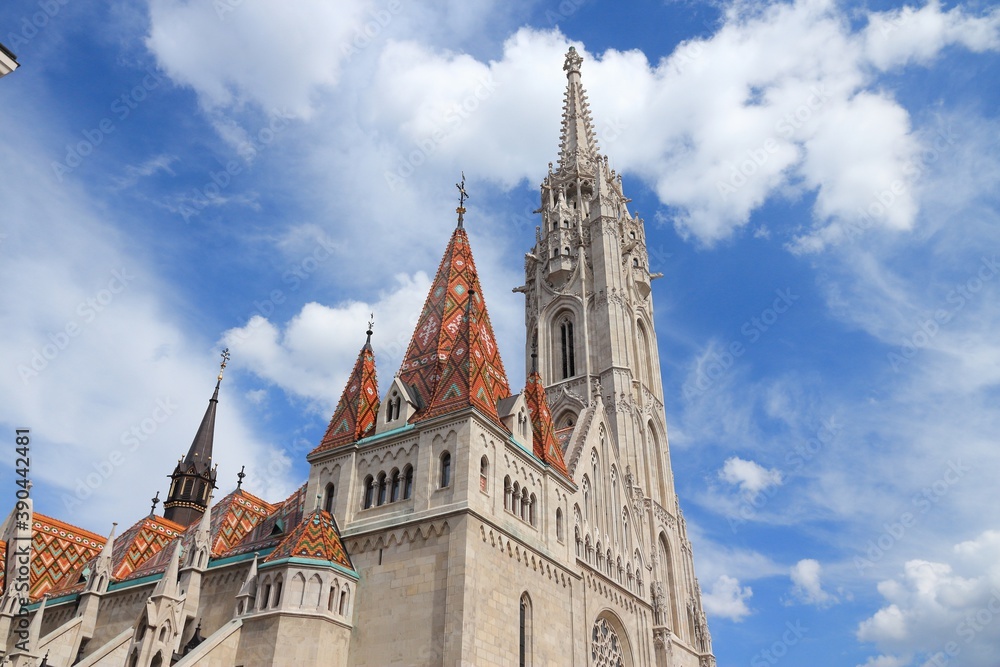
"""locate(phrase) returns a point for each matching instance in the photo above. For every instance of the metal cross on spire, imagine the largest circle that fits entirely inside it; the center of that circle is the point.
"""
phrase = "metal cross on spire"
(225, 361)
(239, 476)
(462, 196)
(155, 501)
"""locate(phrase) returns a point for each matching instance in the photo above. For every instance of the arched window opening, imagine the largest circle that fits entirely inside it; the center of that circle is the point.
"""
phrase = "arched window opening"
(532, 514)
(394, 486)
(369, 492)
(586, 498)
(606, 649)
(381, 488)
(524, 634)
(344, 598)
(445, 469)
(555, 252)
(507, 493)
(484, 474)
(635, 262)
(330, 600)
(265, 597)
(525, 505)
(392, 409)
(559, 524)
(568, 349)
(566, 251)
(328, 496)
(407, 482)
(277, 593)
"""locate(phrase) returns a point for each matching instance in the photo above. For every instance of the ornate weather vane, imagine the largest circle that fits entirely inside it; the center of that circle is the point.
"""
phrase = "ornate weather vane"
(155, 501)
(462, 196)
(225, 361)
(239, 476)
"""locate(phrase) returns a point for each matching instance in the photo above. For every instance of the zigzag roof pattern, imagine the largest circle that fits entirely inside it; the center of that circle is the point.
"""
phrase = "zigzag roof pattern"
(545, 444)
(441, 322)
(317, 538)
(472, 375)
(273, 529)
(58, 550)
(355, 415)
(140, 542)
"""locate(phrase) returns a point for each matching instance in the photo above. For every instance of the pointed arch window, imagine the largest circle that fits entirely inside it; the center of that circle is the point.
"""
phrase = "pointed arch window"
(484, 473)
(369, 492)
(381, 488)
(328, 497)
(524, 633)
(394, 486)
(407, 482)
(567, 348)
(445, 469)
(559, 524)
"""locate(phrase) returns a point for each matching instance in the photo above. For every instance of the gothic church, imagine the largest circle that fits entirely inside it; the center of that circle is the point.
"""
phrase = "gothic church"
(446, 519)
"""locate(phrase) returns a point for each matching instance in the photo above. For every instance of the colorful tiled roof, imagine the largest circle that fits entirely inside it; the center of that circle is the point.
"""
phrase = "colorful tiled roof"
(317, 538)
(243, 511)
(3, 564)
(273, 529)
(141, 542)
(58, 551)
(472, 374)
(544, 442)
(354, 417)
(440, 323)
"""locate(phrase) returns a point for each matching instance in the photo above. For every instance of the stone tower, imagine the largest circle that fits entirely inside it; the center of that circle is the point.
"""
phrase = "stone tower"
(589, 314)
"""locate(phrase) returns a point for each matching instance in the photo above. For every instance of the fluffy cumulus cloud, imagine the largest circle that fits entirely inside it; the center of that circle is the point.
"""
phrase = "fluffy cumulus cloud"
(941, 613)
(751, 477)
(727, 599)
(312, 354)
(806, 577)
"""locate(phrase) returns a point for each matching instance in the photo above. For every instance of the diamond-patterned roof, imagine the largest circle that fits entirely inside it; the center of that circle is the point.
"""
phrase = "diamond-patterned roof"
(141, 542)
(472, 374)
(58, 551)
(243, 512)
(355, 415)
(316, 537)
(273, 529)
(545, 444)
(441, 322)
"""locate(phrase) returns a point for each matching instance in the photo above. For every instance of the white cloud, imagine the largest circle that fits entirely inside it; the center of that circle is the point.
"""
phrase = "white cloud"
(314, 352)
(751, 477)
(806, 576)
(727, 599)
(950, 608)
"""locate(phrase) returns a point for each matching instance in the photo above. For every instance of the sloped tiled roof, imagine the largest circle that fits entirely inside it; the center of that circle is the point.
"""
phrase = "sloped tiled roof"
(275, 527)
(472, 374)
(243, 511)
(544, 442)
(354, 417)
(59, 552)
(140, 542)
(317, 538)
(440, 323)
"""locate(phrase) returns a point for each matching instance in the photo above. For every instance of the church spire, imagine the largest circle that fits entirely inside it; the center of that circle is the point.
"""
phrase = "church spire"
(194, 475)
(355, 414)
(544, 443)
(578, 141)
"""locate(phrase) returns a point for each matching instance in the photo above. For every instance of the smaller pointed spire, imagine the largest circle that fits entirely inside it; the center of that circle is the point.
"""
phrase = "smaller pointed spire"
(167, 586)
(578, 140)
(544, 443)
(249, 587)
(35, 629)
(355, 414)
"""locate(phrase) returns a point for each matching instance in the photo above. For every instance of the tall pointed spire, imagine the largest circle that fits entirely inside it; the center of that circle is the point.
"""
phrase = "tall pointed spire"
(355, 414)
(441, 321)
(101, 575)
(578, 141)
(472, 375)
(167, 586)
(544, 443)
(194, 475)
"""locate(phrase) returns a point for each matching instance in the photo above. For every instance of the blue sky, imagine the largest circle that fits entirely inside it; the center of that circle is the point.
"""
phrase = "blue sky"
(818, 181)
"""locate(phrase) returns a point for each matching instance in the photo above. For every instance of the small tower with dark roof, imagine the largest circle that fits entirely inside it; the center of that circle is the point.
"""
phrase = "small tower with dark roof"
(193, 478)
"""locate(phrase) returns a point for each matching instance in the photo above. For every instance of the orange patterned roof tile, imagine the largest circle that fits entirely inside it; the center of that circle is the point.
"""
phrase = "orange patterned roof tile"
(354, 417)
(58, 551)
(316, 537)
(440, 323)
(545, 444)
